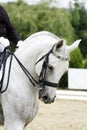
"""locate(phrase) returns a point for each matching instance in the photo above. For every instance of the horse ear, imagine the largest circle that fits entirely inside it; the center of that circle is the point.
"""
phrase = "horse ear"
(59, 44)
(74, 45)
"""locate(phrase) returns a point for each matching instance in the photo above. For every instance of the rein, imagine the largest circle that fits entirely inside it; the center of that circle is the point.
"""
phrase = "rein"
(27, 73)
(42, 78)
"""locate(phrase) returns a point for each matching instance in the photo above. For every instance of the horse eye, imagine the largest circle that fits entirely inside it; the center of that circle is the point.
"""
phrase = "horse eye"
(50, 67)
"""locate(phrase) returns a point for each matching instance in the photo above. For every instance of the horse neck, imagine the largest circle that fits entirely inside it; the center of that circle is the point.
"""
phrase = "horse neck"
(33, 46)
(27, 54)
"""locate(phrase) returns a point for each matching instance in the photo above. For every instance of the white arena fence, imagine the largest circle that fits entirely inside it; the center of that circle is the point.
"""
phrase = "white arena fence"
(77, 80)
(71, 95)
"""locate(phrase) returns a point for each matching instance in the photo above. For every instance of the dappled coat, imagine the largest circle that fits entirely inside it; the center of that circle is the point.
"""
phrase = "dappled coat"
(6, 28)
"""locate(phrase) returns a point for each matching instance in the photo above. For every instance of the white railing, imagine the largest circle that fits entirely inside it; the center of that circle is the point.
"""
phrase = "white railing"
(71, 95)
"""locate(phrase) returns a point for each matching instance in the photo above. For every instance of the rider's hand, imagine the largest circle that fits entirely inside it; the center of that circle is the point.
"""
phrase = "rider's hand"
(4, 43)
(19, 43)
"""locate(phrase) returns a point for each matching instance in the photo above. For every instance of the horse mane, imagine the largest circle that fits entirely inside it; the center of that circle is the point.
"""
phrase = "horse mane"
(39, 34)
(40, 37)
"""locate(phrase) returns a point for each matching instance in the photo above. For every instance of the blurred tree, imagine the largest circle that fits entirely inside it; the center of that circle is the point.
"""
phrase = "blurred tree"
(85, 63)
(76, 59)
(63, 83)
(29, 19)
(82, 31)
(79, 22)
(75, 16)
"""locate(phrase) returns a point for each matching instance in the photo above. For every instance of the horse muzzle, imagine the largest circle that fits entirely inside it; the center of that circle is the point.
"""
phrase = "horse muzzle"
(45, 98)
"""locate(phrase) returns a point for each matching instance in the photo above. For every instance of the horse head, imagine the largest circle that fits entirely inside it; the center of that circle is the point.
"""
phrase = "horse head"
(50, 67)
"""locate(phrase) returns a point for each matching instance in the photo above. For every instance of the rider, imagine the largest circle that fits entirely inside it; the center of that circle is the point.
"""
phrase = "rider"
(7, 30)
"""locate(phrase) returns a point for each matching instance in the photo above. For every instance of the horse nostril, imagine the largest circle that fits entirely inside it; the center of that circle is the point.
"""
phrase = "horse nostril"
(45, 98)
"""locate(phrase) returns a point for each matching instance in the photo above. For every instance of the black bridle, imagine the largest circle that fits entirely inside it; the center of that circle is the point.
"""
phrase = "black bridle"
(42, 77)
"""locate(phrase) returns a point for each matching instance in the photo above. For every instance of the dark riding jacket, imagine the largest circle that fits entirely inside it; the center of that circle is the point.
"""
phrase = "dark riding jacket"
(6, 28)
